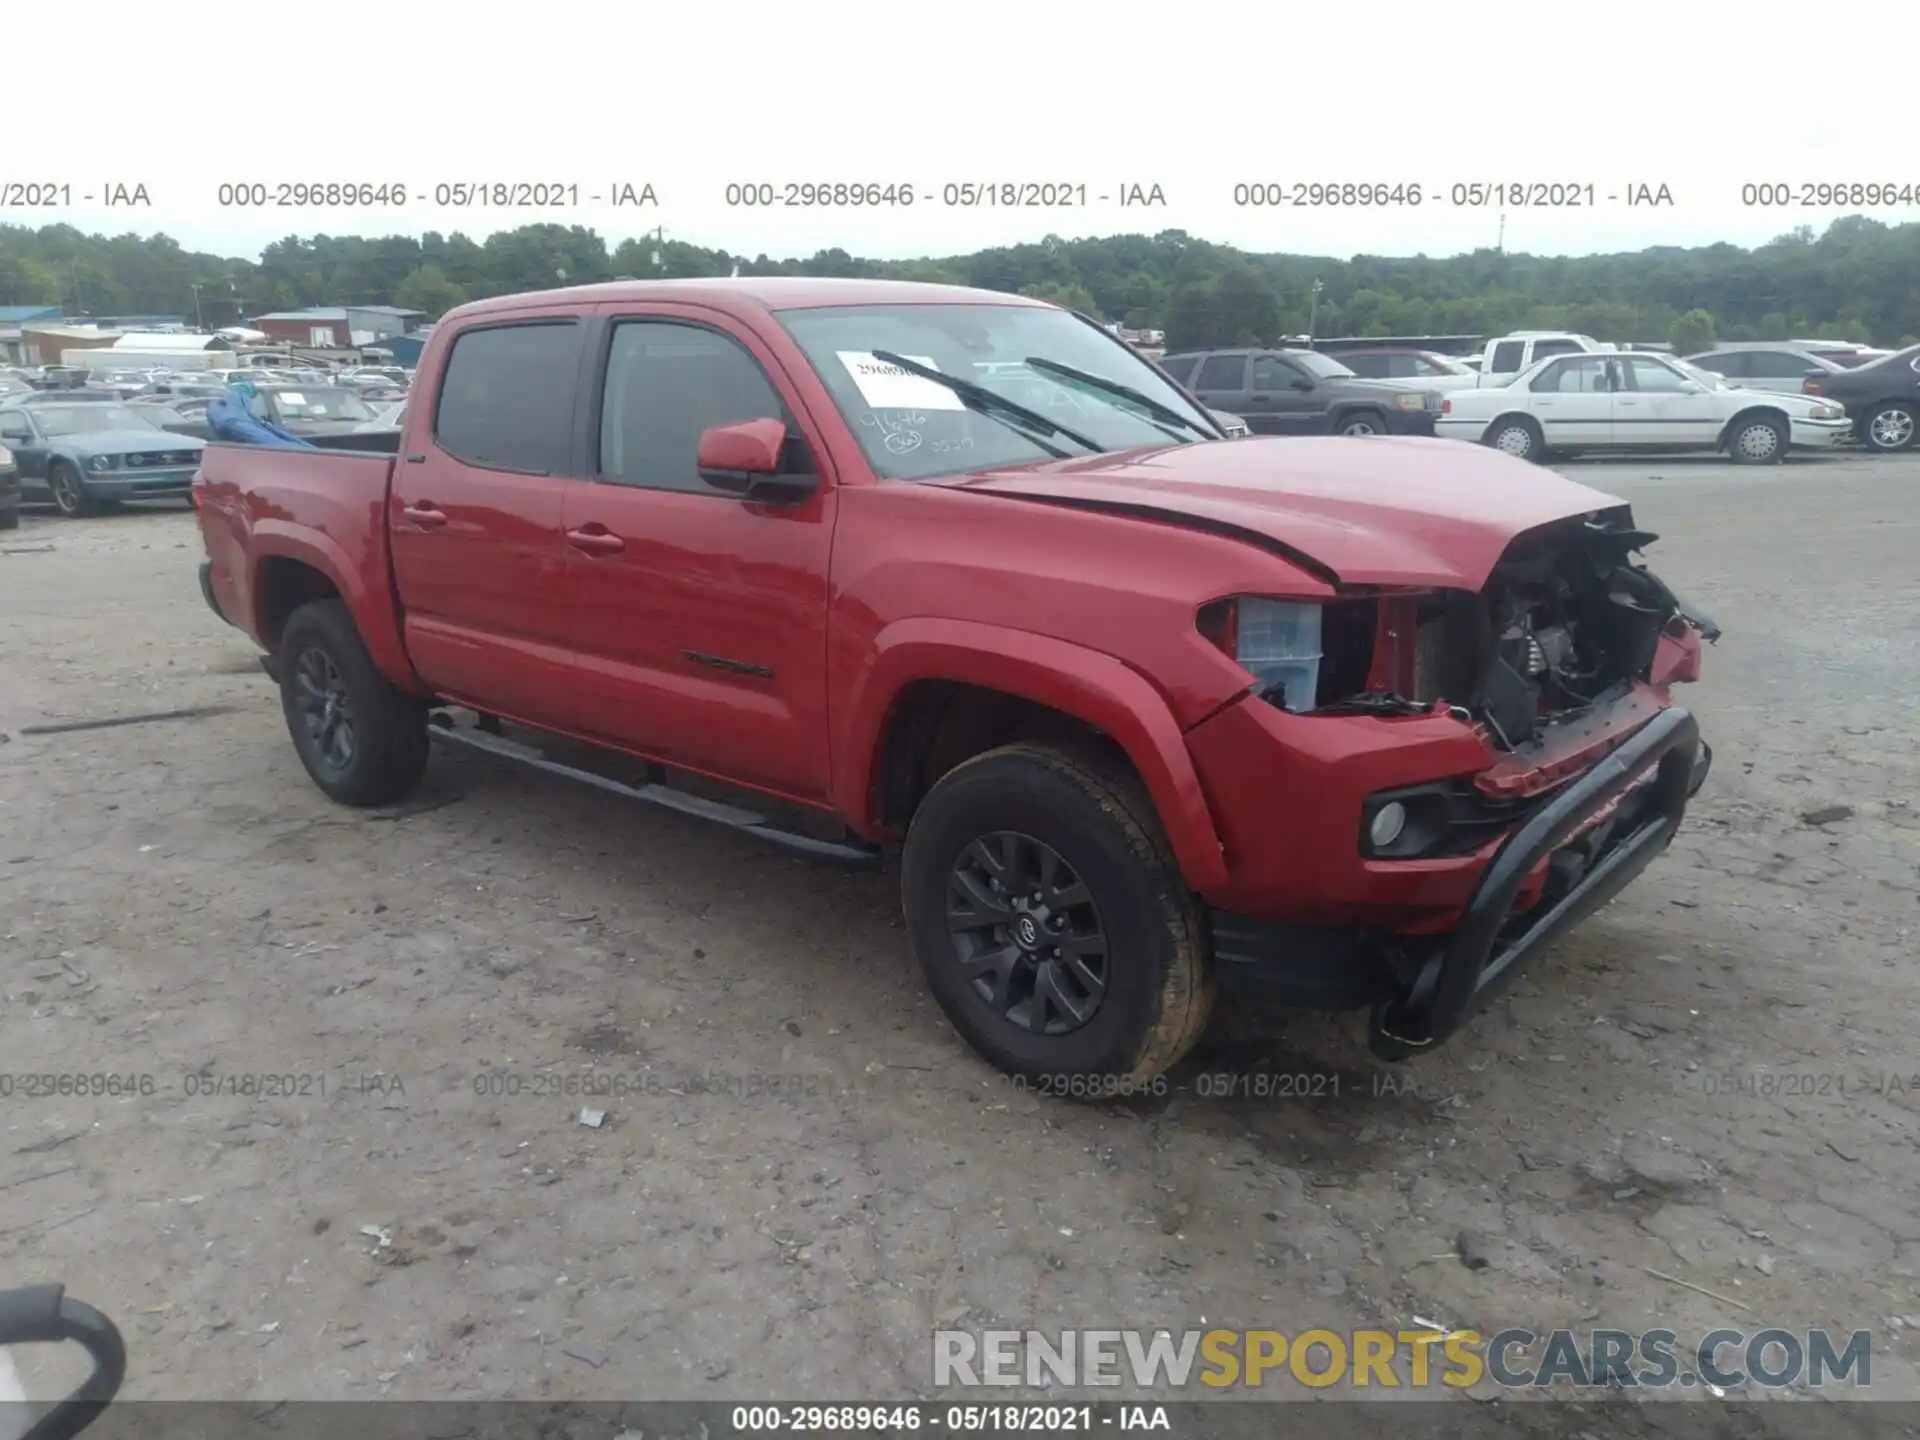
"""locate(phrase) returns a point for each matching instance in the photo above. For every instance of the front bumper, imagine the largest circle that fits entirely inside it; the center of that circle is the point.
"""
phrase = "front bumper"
(140, 484)
(1645, 784)
(1820, 434)
(1411, 422)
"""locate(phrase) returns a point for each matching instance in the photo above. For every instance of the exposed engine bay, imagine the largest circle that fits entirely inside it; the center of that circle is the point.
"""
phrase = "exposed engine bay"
(1567, 621)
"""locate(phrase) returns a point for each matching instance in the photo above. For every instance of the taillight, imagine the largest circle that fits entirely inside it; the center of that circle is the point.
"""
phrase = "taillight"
(1446, 407)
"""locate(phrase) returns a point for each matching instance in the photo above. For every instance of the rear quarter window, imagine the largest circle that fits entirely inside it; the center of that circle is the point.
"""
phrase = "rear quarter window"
(1223, 372)
(506, 397)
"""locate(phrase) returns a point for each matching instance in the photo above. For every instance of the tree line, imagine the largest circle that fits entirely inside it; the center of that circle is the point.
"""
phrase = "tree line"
(1859, 280)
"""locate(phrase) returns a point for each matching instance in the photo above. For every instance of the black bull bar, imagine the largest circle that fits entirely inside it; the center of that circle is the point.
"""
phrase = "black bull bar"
(1487, 950)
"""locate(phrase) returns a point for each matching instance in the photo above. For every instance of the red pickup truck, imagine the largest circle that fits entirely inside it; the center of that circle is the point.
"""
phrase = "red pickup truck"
(1366, 722)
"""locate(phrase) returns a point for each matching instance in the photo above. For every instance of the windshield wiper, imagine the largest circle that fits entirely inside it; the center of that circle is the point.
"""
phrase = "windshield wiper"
(1120, 392)
(995, 405)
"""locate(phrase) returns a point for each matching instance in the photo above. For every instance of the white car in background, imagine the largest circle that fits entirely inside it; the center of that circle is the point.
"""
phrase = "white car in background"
(1637, 400)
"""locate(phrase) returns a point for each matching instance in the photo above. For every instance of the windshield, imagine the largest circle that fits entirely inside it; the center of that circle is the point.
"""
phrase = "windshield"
(91, 419)
(912, 428)
(1321, 367)
(320, 404)
(1695, 372)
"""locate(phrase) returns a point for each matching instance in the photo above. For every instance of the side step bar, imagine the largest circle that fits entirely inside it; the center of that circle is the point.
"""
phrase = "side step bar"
(844, 852)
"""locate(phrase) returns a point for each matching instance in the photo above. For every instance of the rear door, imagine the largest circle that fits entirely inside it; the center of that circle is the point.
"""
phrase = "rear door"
(1572, 399)
(699, 619)
(1779, 371)
(475, 518)
(1220, 383)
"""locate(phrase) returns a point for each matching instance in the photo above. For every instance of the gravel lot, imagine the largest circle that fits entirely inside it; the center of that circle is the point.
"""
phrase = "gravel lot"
(179, 900)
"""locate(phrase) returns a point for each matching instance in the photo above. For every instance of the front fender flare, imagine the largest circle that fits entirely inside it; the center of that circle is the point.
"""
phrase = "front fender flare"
(1087, 684)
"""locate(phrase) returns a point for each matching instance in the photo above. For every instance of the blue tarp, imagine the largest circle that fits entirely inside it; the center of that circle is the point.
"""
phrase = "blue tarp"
(230, 421)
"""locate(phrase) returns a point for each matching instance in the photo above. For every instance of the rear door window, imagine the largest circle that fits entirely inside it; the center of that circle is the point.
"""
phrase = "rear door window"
(1180, 367)
(506, 397)
(1507, 356)
(1223, 372)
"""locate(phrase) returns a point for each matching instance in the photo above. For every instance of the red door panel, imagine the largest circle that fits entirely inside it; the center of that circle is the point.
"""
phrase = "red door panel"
(699, 619)
(475, 514)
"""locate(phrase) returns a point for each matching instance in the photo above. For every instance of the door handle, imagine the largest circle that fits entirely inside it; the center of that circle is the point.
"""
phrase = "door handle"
(426, 516)
(596, 541)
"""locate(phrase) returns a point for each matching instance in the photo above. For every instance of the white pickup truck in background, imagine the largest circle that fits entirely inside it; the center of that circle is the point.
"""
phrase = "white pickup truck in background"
(1505, 357)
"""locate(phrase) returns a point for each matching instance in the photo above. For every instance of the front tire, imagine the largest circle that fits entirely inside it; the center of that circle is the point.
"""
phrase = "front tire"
(1516, 435)
(1758, 440)
(70, 494)
(1052, 921)
(363, 741)
(1364, 422)
(1891, 427)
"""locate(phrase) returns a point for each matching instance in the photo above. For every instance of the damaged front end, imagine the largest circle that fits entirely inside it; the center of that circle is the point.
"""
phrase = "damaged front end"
(1568, 624)
(1561, 666)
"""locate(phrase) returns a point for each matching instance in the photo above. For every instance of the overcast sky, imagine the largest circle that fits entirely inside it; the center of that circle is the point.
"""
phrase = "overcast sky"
(1195, 100)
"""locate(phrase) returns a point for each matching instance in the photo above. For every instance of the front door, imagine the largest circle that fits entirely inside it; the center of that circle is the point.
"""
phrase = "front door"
(1660, 405)
(700, 619)
(1283, 395)
(475, 519)
(1572, 399)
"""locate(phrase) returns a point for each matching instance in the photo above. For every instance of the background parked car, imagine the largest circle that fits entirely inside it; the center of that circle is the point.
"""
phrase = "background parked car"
(58, 397)
(1433, 370)
(87, 456)
(180, 414)
(1883, 398)
(1301, 392)
(1784, 369)
(388, 417)
(311, 409)
(9, 490)
(1628, 400)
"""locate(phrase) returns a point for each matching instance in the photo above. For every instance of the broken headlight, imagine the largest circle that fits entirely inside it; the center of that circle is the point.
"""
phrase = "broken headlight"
(1277, 642)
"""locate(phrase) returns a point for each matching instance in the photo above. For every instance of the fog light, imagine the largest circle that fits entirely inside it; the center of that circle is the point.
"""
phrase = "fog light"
(1388, 821)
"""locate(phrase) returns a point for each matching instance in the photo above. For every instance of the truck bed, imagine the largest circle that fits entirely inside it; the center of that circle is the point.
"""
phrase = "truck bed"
(304, 505)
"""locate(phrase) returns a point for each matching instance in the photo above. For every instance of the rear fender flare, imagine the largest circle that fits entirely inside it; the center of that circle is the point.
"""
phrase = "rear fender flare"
(1087, 684)
(374, 614)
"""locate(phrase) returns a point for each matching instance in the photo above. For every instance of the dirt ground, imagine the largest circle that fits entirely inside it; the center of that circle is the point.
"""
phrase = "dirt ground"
(1717, 1078)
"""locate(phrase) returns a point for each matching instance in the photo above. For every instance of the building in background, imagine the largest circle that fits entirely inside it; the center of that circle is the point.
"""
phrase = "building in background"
(338, 327)
(45, 344)
(403, 350)
(12, 318)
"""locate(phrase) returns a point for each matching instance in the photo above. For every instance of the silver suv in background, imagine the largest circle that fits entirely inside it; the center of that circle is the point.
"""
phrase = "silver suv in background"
(1779, 368)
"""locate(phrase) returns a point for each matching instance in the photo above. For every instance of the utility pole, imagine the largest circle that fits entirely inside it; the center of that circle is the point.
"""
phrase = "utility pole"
(1500, 240)
(659, 247)
(199, 316)
(1313, 311)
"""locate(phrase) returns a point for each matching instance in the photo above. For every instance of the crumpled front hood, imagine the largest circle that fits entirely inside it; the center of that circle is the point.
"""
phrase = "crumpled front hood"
(1375, 511)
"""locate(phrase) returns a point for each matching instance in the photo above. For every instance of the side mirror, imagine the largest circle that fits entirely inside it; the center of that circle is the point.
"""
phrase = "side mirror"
(14, 430)
(744, 460)
(1303, 384)
(1691, 387)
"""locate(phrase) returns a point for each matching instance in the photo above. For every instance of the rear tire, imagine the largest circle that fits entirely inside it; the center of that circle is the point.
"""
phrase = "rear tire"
(1518, 436)
(70, 495)
(1113, 982)
(363, 741)
(10, 519)
(1758, 440)
(1891, 427)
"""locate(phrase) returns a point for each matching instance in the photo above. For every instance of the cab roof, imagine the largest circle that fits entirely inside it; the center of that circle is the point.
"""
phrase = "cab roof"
(761, 292)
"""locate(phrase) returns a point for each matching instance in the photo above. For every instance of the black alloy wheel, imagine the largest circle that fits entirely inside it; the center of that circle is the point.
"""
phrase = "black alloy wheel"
(326, 712)
(1027, 934)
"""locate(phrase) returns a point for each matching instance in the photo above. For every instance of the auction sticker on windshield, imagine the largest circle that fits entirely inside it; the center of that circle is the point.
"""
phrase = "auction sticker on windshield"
(888, 387)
